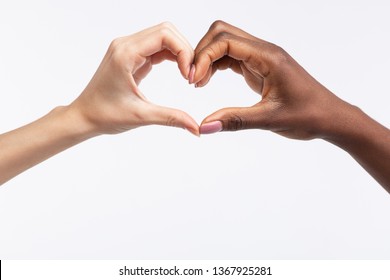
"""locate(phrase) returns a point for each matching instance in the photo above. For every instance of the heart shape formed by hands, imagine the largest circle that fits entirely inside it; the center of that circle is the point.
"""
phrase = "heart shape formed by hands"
(293, 103)
(113, 103)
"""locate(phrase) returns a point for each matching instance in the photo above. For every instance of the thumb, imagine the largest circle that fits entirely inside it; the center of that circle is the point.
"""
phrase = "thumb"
(236, 118)
(171, 117)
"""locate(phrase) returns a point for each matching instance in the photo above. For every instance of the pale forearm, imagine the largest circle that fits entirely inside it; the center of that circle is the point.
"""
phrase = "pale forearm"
(29, 145)
(111, 103)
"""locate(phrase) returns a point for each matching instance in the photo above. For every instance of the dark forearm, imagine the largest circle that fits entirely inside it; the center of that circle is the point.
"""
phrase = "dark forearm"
(293, 103)
(366, 140)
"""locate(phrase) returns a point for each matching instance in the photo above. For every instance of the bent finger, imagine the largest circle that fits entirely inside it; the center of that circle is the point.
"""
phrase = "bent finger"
(225, 44)
(166, 37)
(220, 65)
(218, 27)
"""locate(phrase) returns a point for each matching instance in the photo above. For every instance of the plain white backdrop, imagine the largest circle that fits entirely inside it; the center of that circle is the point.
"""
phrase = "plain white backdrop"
(160, 193)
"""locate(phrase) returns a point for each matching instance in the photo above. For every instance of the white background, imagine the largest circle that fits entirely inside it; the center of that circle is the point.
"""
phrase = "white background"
(160, 193)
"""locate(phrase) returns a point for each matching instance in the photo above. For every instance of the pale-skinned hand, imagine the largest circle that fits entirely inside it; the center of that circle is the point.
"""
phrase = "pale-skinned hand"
(112, 102)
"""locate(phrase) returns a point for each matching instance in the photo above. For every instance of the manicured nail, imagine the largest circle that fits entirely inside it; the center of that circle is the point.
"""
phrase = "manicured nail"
(192, 74)
(211, 127)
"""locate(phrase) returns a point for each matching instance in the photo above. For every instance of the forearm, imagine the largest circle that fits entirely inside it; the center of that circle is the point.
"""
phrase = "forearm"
(29, 145)
(367, 141)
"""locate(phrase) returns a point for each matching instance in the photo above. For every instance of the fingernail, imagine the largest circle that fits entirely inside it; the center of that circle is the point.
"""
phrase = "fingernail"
(211, 127)
(192, 74)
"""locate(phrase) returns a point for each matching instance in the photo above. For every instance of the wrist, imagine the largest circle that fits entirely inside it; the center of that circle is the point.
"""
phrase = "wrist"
(366, 140)
(75, 125)
(343, 123)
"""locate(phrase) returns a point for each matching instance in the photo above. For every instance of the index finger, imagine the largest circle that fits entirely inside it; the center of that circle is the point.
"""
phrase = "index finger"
(166, 37)
(253, 54)
(220, 26)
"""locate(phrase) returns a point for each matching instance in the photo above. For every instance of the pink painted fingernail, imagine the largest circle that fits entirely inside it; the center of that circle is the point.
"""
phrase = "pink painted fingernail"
(192, 74)
(211, 127)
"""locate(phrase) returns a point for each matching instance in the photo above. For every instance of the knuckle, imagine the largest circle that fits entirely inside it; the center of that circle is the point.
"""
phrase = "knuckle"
(211, 53)
(166, 28)
(218, 26)
(164, 31)
(221, 36)
(236, 122)
(278, 55)
(166, 24)
(119, 49)
(114, 51)
(172, 119)
(116, 57)
(114, 44)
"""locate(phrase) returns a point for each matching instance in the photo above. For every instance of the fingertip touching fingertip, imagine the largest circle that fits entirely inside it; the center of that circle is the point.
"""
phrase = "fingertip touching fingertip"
(194, 131)
(211, 127)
